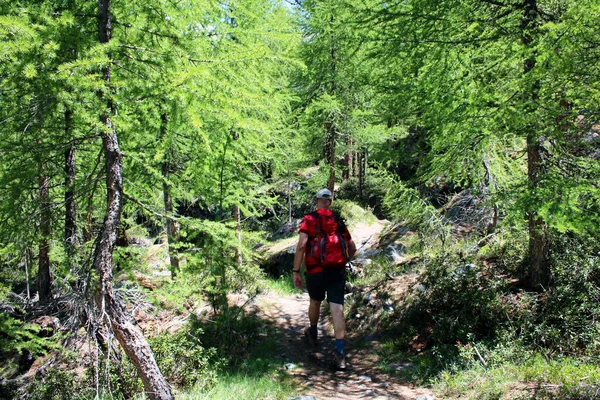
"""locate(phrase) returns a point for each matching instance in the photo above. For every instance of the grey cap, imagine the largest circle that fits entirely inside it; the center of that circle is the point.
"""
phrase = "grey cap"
(324, 194)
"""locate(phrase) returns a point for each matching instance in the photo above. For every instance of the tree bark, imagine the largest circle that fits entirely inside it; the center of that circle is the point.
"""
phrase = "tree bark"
(171, 225)
(70, 205)
(330, 153)
(238, 228)
(44, 279)
(539, 245)
(362, 172)
(112, 309)
(349, 173)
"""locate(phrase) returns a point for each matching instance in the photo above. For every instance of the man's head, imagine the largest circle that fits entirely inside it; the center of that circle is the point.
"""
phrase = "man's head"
(324, 198)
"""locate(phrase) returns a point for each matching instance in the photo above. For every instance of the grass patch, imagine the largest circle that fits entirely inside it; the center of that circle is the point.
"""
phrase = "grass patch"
(353, 213)
(283, 286)
(257, 370)
(242, 387)
(532, 377)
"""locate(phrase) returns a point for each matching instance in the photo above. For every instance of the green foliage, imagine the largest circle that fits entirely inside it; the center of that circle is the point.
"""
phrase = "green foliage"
(284, 285)
(404, 203)
(57, 384)
(509, 378)
(17, 337)
(462, 300)
(565, 317)
(242, 386)
(231, 332)
(183, 360)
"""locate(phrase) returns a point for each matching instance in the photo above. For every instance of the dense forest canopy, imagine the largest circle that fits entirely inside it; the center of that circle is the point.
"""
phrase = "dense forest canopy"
(209, 125)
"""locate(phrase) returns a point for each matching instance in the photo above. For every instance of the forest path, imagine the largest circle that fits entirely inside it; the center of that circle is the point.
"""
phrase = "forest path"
(313, 368)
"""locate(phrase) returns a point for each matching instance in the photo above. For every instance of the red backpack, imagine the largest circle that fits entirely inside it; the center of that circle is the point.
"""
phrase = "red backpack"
(328, 247)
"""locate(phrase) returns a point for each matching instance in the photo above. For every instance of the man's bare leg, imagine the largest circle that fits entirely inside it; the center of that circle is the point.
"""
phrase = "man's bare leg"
(339, 326)
(314, 310)
(339, 322)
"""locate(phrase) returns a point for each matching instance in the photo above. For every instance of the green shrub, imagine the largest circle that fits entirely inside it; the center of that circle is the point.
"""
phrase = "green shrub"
(566, 317)
(183, 360)
(232, 332)
(57, 384)
(461, 299)
(17, 336)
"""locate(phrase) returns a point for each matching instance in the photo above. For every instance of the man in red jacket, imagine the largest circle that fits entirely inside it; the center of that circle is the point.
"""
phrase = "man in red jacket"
(326, 246)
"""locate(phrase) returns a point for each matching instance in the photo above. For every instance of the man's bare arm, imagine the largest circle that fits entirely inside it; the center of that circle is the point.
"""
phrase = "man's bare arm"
(300, 248)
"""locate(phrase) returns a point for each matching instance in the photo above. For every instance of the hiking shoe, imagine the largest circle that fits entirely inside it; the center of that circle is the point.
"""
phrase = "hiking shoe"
(340, 360)
(310, 339)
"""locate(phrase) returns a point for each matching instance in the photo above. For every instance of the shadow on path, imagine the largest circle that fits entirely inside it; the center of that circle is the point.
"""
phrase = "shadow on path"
(312, 370)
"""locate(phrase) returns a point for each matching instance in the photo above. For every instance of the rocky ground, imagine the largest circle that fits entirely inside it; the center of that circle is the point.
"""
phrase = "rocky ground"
(313, 369)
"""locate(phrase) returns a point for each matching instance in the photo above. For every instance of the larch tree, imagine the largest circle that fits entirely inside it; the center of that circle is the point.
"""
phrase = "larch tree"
(480, 77)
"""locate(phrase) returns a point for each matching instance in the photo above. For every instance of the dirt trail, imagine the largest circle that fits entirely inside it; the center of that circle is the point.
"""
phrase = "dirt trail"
(313, 369)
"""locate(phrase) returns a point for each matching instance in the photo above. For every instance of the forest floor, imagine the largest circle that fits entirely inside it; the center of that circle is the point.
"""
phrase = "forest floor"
(312, 370)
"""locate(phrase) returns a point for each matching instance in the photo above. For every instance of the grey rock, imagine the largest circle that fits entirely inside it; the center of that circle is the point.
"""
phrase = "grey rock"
(402, 367)
(364, 378)
(290, 366)
(303, 398)
(369, 392)
(420, 288)
(395, 252)
(424, 397)
(388, 306)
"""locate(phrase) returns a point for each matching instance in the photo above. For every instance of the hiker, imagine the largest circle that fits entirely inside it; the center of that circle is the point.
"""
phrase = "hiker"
(326, 246)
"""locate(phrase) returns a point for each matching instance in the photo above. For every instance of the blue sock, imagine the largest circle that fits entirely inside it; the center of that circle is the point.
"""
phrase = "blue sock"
(313, 331)
(339, 346)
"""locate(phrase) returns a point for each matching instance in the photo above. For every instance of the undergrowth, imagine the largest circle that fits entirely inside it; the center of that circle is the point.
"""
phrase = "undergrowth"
(473, 330)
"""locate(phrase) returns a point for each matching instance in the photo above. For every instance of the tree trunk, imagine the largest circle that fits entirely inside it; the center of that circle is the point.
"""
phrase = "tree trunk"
(330, 153)
(26, 261)
(539, 246)
(44, 280)
(362, 172)
(349, 173)
(171, 225)
(70, 206)
(112, 310)
(238, 227)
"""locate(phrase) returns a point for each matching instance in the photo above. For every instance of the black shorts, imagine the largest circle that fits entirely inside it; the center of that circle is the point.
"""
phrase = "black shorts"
(330, 281)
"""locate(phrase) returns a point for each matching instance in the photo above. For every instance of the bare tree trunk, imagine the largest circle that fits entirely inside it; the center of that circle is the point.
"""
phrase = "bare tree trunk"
(171, 224)
(70, 205)
(539, 245)
(44, 280)
(113, 311)
(349, 158)
(238, 227)
(26, 262)
(330, 153)
(362, 171)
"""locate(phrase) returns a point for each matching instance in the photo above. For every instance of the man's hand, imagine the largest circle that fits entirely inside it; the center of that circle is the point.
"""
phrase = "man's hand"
(297, 280)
